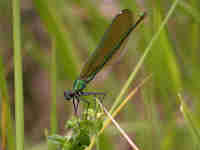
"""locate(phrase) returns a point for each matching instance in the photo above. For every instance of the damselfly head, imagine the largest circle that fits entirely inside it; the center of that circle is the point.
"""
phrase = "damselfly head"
(68, 95)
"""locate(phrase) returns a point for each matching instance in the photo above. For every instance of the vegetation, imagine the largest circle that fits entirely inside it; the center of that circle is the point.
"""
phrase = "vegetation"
(152, 91)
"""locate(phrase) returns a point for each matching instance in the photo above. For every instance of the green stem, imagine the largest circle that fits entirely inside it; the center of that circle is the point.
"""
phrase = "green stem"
(53, 90)
(19, 107)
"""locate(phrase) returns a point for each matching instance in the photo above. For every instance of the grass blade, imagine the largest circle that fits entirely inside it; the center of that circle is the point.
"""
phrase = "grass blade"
(190, 120)
(19, 104)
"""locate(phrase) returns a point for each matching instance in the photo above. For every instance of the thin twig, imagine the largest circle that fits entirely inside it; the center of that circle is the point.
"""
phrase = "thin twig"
(132, 144)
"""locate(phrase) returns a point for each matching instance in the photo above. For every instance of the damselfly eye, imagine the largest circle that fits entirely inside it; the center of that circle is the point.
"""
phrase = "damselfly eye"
(68, 95)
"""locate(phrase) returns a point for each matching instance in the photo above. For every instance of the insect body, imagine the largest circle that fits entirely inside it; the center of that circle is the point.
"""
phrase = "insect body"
(113, 41)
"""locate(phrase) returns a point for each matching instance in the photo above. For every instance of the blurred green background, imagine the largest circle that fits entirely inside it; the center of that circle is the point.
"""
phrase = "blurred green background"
(65, 32)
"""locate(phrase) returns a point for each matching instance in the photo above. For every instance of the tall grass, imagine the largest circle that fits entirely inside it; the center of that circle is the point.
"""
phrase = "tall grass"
(19, 103)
